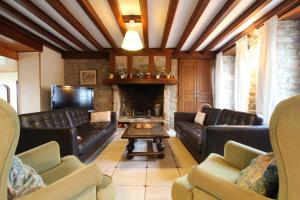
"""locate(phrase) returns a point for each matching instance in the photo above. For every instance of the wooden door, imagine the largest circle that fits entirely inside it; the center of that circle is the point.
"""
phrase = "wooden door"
(194, 84)
(187, 86)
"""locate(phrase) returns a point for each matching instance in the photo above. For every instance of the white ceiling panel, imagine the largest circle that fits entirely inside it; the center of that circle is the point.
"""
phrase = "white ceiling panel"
(130, 7)
(85, 21)
(28, 29)
(235, 13)
(208, 15)
(28, 14)
(106, 15)
(157, 14)
(183, 14)
(248, 23)
(59, 19)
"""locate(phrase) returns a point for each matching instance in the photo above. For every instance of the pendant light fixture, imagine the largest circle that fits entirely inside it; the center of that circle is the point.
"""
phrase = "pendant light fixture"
(132, 40)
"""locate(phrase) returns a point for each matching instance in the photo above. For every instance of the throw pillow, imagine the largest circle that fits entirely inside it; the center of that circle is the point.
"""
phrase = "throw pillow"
(261, 176)
(100, 116)
(200, 117)
(22, 179)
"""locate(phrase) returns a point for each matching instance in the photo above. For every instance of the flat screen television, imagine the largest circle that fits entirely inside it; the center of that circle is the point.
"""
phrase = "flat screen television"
(68, 96)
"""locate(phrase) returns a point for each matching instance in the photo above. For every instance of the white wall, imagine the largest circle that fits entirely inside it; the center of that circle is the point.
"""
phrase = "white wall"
(52, 73)
(37, 72)
(29, 82)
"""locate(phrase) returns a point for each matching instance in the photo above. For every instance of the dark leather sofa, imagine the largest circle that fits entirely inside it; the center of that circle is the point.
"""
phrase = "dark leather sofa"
(64, 126)
(219, 127)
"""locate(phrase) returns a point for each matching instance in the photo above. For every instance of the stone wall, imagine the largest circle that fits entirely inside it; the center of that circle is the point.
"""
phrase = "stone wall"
(103, 95)
(288, 44)
(228, 64)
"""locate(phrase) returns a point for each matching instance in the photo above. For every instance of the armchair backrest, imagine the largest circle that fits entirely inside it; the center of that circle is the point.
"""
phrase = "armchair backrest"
(285, 140)
(9, 132)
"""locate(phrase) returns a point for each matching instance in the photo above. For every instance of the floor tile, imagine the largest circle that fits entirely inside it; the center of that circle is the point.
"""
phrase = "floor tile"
(130, 176)
(108, 170)
(107, 160)
(130, 193)
(167, 162)
(184, 171)
(183, 161)
(161, 176)
(158, 193)
(136, 162)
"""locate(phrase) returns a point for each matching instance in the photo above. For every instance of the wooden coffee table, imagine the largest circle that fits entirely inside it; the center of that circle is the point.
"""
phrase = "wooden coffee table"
(154, 132)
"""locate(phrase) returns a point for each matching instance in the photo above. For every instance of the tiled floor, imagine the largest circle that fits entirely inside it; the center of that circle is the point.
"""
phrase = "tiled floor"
(144, 178)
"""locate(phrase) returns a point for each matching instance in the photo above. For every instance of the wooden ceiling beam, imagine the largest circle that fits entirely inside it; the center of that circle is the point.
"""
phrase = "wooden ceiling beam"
(52, 23)
(8, 53)
(115, 7)
(17, 33)
(67, 15)
(28, 22)
(201, 6)
(227, 8)
(169, 21)
(90, 12)
(245, 16)
(278, 10)
(144, 14)
(136, 18)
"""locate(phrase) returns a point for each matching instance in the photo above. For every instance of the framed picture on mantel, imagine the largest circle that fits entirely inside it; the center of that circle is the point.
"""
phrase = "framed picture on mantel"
(88, 77)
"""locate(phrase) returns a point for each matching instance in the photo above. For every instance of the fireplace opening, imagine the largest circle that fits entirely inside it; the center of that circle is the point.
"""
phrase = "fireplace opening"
(141, 100)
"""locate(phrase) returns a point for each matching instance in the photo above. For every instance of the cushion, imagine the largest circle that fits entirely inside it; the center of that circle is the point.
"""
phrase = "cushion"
(100, 116)
(200, 117)
(22, 179)
(261, 176)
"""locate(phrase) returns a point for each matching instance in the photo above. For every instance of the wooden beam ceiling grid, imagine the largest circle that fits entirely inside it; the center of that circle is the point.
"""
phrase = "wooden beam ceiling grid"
(201, 6)
(227, 8)
(144, 15)
(52, 23)
(245, 16)
(169, 21)
(91, 13)
(115, 7)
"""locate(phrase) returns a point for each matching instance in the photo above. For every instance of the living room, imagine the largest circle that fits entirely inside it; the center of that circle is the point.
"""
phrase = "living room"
(152, 100)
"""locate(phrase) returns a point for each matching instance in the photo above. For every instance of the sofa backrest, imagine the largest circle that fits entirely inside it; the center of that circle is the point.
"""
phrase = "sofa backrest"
(212, 115)
(230, 117)
(48, 119)
(77, 116)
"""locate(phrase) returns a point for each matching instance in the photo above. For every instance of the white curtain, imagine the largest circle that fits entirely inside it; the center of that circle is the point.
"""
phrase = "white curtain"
(241, 76)
(219, 83)
(266, 98)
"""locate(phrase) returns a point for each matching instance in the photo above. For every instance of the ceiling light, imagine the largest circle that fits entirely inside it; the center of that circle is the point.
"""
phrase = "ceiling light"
(132, 40)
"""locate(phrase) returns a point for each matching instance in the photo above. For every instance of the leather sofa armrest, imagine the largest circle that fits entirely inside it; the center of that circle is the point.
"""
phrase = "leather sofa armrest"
(184, 116)
(215, 137)
(239, 155)
(70, 186)
(114, 117)
(33, 137)
(43, 157)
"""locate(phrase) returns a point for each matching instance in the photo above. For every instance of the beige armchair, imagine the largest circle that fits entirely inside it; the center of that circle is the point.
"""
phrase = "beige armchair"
(215, 177)
(66, 178)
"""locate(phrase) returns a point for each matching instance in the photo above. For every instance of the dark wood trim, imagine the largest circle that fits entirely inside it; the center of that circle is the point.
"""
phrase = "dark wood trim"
(194, 55)
(170, 81)
(136, 18)
(143, 52)
(85, 55)
(112, 62)
(151, 67)
(290, 8)
(28, 22)
(201, 6)
(144, 13)
(285, 5)
(250, 12)
(67, 15)
(19, 34)
(115, 7)
(35, 10)
(168, 63)
(129, 64)
(169, 21)
(88, 9)
(8, 53)
(293, 14)
(227, 8)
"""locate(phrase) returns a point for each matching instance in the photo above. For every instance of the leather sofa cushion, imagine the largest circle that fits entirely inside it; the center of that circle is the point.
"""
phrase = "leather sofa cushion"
(91, 133)
(230, 117)
(77, 116)
(48, 119)
(212, 115)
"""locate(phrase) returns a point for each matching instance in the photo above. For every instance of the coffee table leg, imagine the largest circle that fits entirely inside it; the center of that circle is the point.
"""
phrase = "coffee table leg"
(160, 147)
(130, 147)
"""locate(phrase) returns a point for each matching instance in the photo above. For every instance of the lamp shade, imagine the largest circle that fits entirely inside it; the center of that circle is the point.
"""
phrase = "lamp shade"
(132, 41)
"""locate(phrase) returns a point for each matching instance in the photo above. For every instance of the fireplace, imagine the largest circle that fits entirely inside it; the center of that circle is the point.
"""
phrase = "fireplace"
(141, 100)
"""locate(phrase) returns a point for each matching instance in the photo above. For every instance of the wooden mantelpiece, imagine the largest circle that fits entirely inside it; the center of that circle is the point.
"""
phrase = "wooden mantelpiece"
(145, 81)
